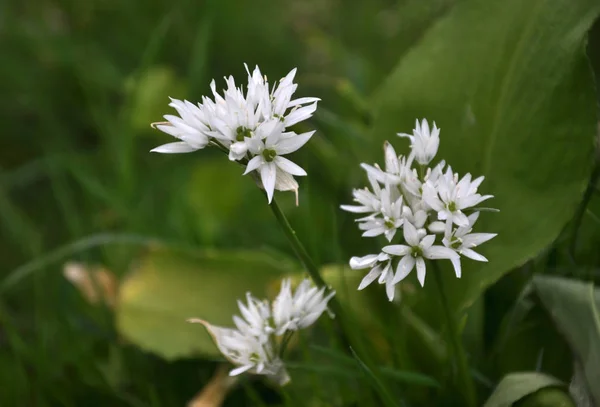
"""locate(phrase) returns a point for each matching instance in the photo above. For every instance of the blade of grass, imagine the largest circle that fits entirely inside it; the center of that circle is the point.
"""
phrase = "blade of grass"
(377, 385)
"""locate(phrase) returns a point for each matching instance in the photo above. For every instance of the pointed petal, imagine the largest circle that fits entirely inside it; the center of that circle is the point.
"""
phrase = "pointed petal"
(421, 271)
(410, 234)
(475, 239)
(174, 148)
(288, 166)
(370, 277)
(240, 370)
(439, 252)
(268, 173)
(291, 144)
(405, 266)
(397, 249)
(253, 164)
(460, 219)
(470, 253)
(390, 288)
(456, 264)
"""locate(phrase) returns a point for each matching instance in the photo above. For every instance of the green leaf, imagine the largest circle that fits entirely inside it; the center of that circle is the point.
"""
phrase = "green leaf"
(517, 386)
(509, 84)
(168, 287)
(574, 306)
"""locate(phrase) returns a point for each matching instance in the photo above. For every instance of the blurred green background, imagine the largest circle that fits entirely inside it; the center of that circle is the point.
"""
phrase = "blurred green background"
(82, 80)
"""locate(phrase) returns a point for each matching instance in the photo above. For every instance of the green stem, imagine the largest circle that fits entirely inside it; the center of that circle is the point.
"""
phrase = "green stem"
(587, 196)
(455, 341)
(301, 252)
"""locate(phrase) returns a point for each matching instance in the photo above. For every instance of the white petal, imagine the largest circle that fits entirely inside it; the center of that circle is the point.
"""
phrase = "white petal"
(174, 148)
(355, 208)
(240, 370)
(291, 144)
(437, 227)
(288, 166)
(475, 239)
(421, 271)
(427, 241)
(390, 288)
(456, 263)
(397, 249)
(439, 252)
(268, 173)
(302, 101)
(357, 263)
(299, 115)
(460, 219)
(470, 253)
(370, 277)
(410, 234)
(253, 164)
(405, 266)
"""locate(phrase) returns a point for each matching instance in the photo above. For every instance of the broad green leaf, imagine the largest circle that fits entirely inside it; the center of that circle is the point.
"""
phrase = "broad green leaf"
(574, 306)
(509, 84)
(517, 386)
(168, 287)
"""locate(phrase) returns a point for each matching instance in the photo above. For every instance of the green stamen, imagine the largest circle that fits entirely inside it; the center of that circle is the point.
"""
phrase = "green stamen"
(242, 132)
(269, 155)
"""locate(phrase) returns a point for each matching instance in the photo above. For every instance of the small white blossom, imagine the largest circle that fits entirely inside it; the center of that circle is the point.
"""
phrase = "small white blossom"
(463, 241)
(427, 203)
(370, 202)
(424, 143)
(415, 253)
(449, 197)
(247, 353)
(268, 151)
(251, 127)
(300, 310)
(190, 128)
(255, 345)
(380, 266)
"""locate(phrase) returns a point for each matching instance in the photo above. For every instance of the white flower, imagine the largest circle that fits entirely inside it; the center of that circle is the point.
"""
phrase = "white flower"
(268, 149)
(191, 128)
(370, 202)
(415, 253)
(449, 197)
(463, 241)
(247, 353)
(301, 310)
(256, 319)
(391, 212)
(381, 269)
(424, 143)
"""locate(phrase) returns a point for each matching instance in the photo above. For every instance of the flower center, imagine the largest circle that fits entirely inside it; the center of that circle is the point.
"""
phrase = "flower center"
(242, 132)
(455, 243)
(452, 207)
(390, 224)
(416, 251)
(269, 154)
(254, 358)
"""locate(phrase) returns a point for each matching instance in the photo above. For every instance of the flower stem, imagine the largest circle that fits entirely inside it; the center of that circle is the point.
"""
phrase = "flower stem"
(300, 251)
(334, 305)
(455, 341)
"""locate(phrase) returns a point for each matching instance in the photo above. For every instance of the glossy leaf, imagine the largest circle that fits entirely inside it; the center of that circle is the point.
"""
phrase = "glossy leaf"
(516, 386)
(168, 287)
(574, 306)
(509, 85)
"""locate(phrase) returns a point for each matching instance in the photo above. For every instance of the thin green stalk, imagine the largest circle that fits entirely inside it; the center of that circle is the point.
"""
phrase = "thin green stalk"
(315, 275)
(587, 196)
(301, 252)
(456, 343)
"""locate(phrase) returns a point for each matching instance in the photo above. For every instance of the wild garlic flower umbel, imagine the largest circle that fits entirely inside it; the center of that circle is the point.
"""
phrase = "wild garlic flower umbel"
(251, 126)
(260, 335)
(425, 212)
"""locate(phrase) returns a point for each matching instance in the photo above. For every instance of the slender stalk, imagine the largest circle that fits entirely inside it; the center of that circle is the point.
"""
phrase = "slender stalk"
(587, 196)
(456, 343)
(301, 252)
(335, 306)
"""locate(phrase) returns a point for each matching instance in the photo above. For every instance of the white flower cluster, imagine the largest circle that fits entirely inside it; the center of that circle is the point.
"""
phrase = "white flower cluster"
(250, 126)
(255, 344)
(430, 205)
